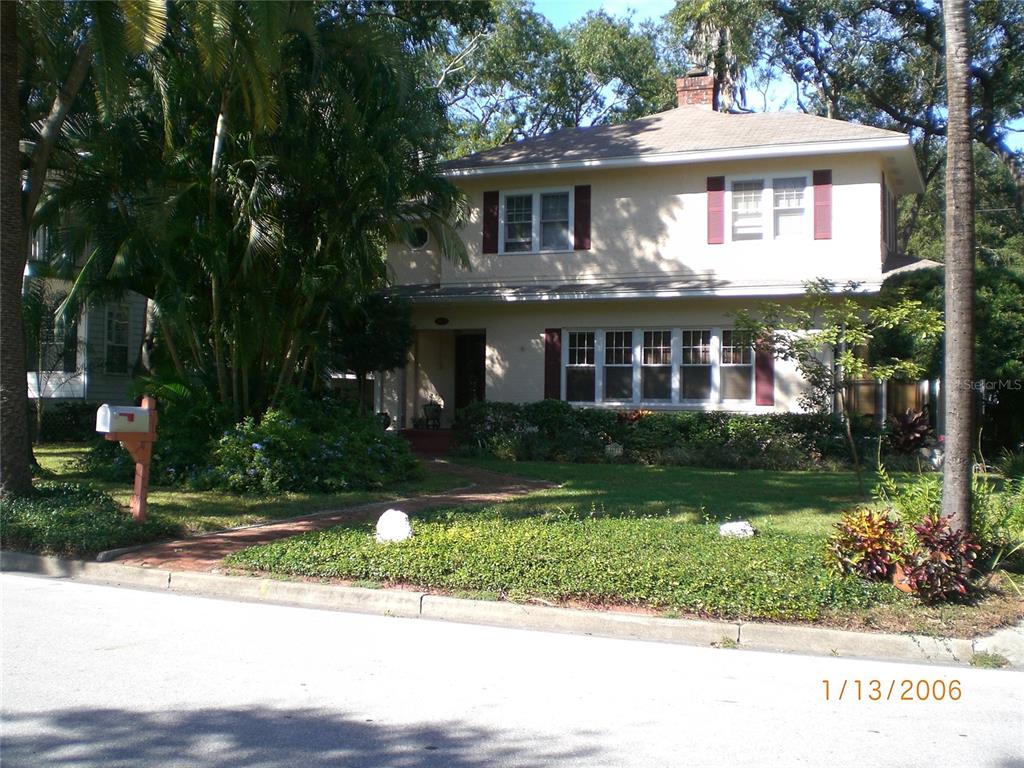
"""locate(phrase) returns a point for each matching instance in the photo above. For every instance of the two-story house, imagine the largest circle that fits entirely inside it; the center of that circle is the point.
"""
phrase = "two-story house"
(605, 262)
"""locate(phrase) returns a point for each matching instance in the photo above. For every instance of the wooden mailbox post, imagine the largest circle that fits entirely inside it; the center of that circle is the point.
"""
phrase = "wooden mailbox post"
(135, 429)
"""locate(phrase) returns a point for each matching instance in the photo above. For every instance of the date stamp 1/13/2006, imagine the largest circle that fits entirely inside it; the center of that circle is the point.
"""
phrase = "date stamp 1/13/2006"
(892, 690)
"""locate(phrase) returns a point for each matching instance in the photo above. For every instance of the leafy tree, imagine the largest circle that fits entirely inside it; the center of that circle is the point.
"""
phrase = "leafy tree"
(726, 37)
(246, 249)
(376, 335)
(825, 334)
(523, 77)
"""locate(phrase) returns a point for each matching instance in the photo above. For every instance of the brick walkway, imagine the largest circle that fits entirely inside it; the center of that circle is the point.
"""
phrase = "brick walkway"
(205, 552)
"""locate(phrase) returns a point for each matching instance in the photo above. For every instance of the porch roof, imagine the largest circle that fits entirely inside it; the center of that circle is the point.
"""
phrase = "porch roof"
(661, 288)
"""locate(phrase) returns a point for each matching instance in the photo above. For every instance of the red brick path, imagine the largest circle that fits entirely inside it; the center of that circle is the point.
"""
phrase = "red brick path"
(206, 551)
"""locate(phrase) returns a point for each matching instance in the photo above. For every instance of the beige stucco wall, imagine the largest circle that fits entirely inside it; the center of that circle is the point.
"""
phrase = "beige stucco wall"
(652, 222)
(515, 346)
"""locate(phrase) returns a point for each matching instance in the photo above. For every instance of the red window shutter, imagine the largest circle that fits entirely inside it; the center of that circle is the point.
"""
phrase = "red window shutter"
(716, 209)
(823, 205)
(553, 364)
(581, 218)
(491, 222)
(764, 376)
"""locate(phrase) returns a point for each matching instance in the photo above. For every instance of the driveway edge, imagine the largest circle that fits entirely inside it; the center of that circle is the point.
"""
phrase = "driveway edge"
(412, 604)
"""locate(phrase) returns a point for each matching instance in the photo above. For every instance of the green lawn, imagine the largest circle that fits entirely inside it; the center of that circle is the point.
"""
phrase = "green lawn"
(788, 502)
(635, 536)
(201, 511)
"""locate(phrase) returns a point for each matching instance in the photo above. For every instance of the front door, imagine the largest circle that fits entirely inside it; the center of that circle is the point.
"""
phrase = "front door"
(470, 368)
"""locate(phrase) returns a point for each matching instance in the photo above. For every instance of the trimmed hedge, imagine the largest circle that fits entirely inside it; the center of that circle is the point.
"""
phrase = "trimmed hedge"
(72, 519)
(647, 561)
(552, 430)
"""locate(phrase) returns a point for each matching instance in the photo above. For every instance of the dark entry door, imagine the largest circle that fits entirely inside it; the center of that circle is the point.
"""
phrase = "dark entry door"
(470, 368)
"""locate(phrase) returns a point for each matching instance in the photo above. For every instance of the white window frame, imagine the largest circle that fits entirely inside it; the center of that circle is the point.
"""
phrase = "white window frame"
(714, 401)
(108, 342)
(536, 193)
(768, 233)
(751, 365)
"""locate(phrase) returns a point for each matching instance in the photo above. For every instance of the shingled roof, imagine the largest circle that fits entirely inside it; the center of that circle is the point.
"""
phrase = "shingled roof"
(673, 133)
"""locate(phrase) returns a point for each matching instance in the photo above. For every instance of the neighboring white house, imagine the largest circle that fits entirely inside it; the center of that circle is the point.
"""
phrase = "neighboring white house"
(605, 262)
(93, 359)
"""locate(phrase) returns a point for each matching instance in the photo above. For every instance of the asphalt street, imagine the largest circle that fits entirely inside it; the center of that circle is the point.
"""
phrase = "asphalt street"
(102, 676)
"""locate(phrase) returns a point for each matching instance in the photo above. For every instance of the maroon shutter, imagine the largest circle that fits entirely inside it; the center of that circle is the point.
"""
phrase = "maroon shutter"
(823, 205)
(491, 222)
(764, 376)
(581, 218)
(552, 363)
(716, 209)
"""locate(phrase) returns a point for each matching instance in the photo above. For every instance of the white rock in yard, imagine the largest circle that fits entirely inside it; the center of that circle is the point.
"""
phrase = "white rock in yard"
(739, 529)
(394, 525)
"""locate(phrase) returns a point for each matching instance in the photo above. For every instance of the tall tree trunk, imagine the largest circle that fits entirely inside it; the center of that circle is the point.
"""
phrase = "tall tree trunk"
(15, 473)
(215, 289)
(959, 355)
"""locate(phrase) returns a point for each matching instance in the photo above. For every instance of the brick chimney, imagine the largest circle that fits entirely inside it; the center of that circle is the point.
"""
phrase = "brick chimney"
(696, 89)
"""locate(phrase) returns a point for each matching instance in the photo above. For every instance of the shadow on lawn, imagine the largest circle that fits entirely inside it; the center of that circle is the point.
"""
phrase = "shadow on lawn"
(259, 737)
(621, 491)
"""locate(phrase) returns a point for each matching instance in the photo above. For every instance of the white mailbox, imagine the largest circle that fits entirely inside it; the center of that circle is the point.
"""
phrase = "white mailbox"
(121, 418)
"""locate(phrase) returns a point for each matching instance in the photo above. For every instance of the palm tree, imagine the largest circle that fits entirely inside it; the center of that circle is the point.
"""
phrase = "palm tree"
(15, 476)
(108, 34)
(959, 353)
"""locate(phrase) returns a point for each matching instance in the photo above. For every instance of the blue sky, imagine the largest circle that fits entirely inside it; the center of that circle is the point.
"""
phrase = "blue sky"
(562, 12)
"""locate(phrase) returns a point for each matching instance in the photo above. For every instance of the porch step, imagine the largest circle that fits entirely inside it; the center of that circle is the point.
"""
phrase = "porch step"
(432, 442)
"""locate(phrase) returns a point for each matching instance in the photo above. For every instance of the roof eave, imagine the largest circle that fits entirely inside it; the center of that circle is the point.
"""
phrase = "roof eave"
(897, 146)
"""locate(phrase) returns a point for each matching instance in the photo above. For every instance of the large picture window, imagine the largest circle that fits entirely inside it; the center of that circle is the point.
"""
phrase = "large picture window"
(536, 221)
(694, 367)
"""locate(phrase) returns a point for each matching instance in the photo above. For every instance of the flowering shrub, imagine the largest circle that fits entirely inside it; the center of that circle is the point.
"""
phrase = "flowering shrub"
(282, 453)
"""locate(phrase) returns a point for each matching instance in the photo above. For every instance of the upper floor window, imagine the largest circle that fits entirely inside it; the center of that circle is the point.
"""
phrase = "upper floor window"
(117, 339)
(764, 209)
(536, 221)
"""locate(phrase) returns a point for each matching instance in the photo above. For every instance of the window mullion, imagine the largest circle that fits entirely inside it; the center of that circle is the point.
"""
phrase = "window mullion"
(716, 365)
(535, 223)
(677, 357)
(638, 351)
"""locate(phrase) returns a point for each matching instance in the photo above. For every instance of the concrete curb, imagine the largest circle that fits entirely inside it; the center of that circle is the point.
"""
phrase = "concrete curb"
(410, 604)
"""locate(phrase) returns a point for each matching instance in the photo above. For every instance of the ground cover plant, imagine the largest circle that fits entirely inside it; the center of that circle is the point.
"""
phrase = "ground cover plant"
(72, 519)
(642, 537)
(75, 514)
